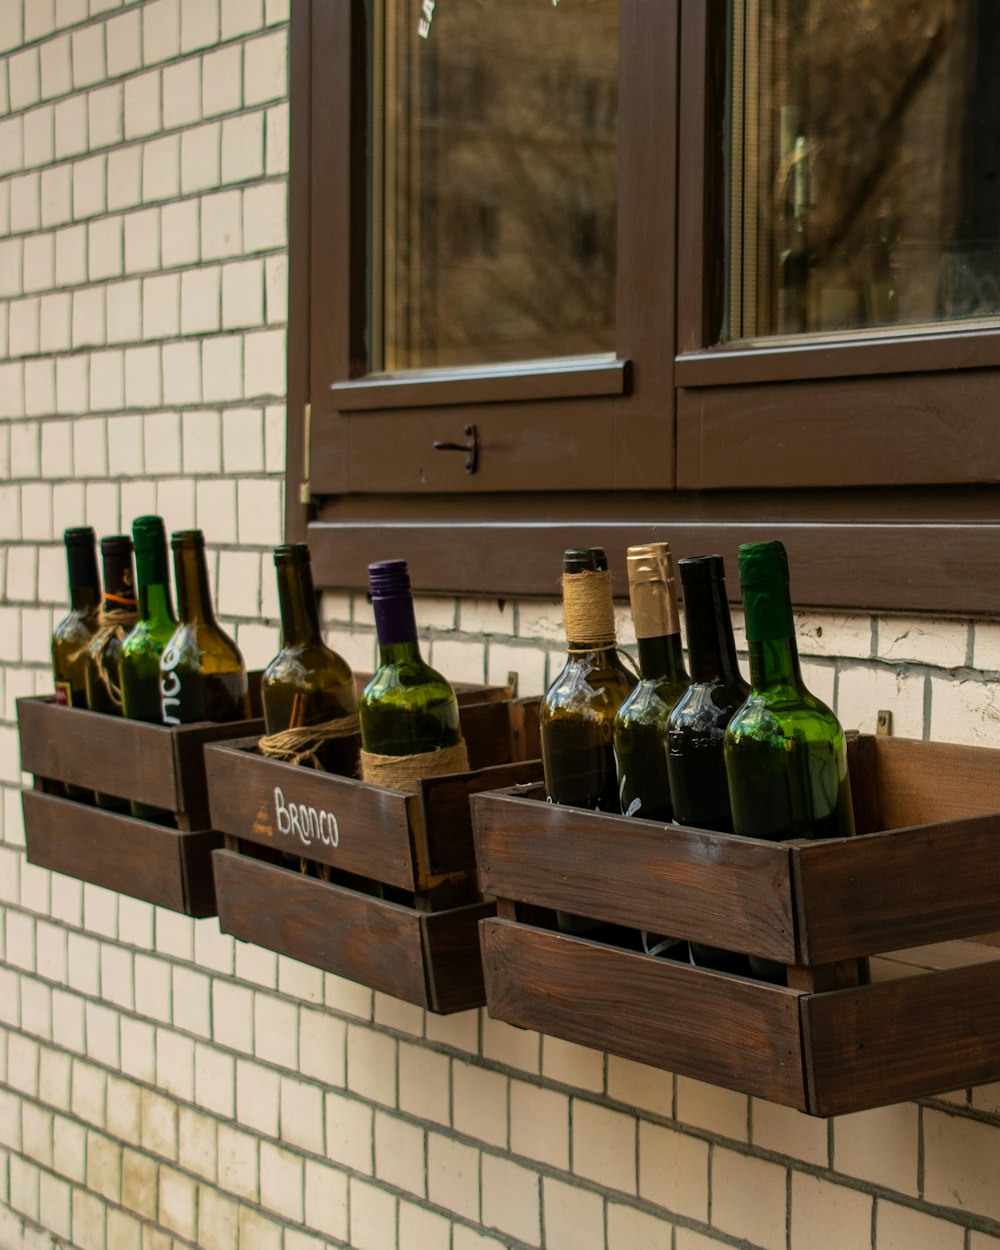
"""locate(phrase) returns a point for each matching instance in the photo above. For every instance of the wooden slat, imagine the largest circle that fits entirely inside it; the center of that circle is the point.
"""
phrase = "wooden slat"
(373, 824)
(908, 887)
(740, 1034)
(453, 958)
(903, 1039)
(143, 860)
(921, 783)
(353, 935)
(714, 888)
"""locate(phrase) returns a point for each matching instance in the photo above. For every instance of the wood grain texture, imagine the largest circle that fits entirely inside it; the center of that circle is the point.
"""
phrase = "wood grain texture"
(146, 861)
(720, 1029)
(365, 939)
(714, 888)
(896, 1040)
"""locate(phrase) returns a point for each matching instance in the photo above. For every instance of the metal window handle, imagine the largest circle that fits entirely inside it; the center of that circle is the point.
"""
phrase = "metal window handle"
(471, 448)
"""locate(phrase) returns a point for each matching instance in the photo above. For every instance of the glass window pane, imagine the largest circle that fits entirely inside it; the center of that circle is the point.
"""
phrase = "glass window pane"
(864, 179)
(494, 184)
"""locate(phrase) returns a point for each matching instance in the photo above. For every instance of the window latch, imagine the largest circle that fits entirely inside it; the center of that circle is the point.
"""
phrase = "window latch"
(471, 448)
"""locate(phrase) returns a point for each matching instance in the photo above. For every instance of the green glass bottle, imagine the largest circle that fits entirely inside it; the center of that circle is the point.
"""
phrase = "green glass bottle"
(202, 673)
(786, 759)
(407, 708)
(307, 683)
(72, 635)
(116, 619)
(577, 714)
(142, 649)
(641, 723)
(696, 728)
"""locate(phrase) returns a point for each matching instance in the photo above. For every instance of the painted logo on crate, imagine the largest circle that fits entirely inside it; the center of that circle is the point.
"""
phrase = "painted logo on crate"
(308, 824)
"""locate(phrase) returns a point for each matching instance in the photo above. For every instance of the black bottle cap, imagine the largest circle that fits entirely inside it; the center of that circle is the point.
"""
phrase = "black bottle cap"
(585, 560)
(80, 536)
(291, 553)
(181, 539)
(699, 570)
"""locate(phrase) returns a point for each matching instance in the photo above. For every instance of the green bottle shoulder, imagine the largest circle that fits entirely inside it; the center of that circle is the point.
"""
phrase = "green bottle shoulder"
(304, 666)
(588, 685)
(406, 681)
(785, 714)
(650, 702)
(149, 638)
(76, 628)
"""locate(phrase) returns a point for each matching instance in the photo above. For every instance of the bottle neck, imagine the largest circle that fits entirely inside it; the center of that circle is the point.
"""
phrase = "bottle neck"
(711, 645)
(661, 658)
(156, 604)
(84, 583)
(588, 612)
(298, 606)
(396, 627)
(194, 598)
(775, 663)
(119, 581)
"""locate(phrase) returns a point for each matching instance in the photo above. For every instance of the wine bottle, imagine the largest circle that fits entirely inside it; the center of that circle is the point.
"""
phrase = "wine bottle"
(407, 710)
(786, 759)
(115, 620)
(202, 673)
(72, 635)
(578, 711)
(307, 683)
(696, 728)
(640, 725)
(142, 649)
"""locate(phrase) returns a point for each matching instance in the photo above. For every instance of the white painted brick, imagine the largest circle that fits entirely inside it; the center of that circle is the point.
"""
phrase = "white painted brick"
(161, 168)
(124, 43)
(23, 329)
(23, 79)
(39, 262)
(142, 377)
(192, 1001)
(844, 1214)
(239, 583)
(393, 1013)
(161, 306)
(102, 1034)
(152, 987)
(517, 1048)
(161, 31)
(242, 294)
(117, 975)
(202, 441)
(275, 1031)
(56, 67)
(257, 1097)
(243, 147)
(24, 1177)
(572, 1064)
(574, 1219)
(216, 510)
(88, 1086)
(69, 1149)
(100, 910)
(301, 1114)
(276, 11)
(276, 280)
(22, 570)
(142, 241)
(137, 499)
(139, 1188)
(175, 499)
(239, 17)
(238, 1162)
(70, 127)
(39, 19)
(749, 1198)
(4, 208)
(106, 116)
(89, 63)
(162, 442)
(70, 12)
(23, 1058)
(281, 1182)
(11, 145)
(221, 225)
(181, 94)
(256, 965)
(142, 105)
(258, 643)
(265, 74)
(221, 81)
(372, 1217)
(200, 160)
(197, 1147)
(265, 217)
(103, 507)
(11, 253)
(123, 313)
(158, 1124)
(175, 1064)
(89, 187)
(218, 1220)
(105, 248)
(222, 369)
(138, 1045)
(242, 438)
(55, 1200)
(71, 255)
(182, 373)
(107, 380)
(84, 968)
(863, 692)
(511, 1199)
(265, 363)
(710, 1107)
(902, 1228)
(965, 711)
(215, 1080)
(200, 300)
(57, 195)
(213, 949)
(67, 900)
(25, 203)
(940, 643)
(277, 138)
(104, 1166)
(39, 136)
(68, 504)
(123, 1230)
(179, 233)
(178, 1203)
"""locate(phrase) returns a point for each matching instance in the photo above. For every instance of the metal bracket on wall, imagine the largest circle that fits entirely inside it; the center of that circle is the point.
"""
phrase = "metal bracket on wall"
(883, 723)
(471, 448)
(305, 490)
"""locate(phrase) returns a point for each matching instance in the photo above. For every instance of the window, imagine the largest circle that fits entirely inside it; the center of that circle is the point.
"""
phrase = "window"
(753, 370)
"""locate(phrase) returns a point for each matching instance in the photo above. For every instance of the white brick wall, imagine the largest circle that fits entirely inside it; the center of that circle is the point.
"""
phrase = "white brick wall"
(162, 1087)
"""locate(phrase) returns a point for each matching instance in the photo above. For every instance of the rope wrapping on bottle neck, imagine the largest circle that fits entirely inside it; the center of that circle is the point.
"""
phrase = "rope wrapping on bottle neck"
(403, 772)
(112, 624)
(300, 745)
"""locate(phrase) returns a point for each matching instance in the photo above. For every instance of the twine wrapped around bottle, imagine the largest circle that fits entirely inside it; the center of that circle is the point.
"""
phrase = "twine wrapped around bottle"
(113, 623)
(301, 744)
(588, 613)
(402, 772)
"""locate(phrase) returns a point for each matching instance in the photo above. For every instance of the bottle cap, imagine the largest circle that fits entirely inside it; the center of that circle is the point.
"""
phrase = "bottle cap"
(291, 553)
(116, 544)
(651, 590)
(700, 570)
(763, 563)
(148, 533)
(585, 560)
(388, 578)
(80, 536)
(180, 539)
(766, 596)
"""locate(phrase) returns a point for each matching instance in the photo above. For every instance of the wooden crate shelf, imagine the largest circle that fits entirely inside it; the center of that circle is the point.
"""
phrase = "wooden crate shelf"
(924, 874)
(401, 907)
(161, 766)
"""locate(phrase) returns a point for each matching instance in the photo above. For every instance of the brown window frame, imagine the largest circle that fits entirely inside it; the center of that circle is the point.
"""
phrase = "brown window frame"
(873, 457)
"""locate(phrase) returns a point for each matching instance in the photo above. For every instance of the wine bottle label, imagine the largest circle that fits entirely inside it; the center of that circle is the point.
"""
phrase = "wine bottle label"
(181, 693)
(64, 694)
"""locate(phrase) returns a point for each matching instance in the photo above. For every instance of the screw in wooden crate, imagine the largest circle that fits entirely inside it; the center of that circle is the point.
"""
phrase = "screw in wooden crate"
(883, 723)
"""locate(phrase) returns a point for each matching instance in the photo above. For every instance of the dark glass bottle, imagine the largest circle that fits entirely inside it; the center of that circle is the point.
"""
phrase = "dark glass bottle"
(202, 673)
(142, 649)
(407, 708)
(307, 683)
(786, 759)
(72, 635)
(696, 729)
(116, 619)
(641, 723)
(578, 711)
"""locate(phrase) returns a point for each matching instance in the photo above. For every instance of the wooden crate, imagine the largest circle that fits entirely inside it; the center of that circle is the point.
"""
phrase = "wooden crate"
(162, 766)
(925, 874)
(401, 908)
